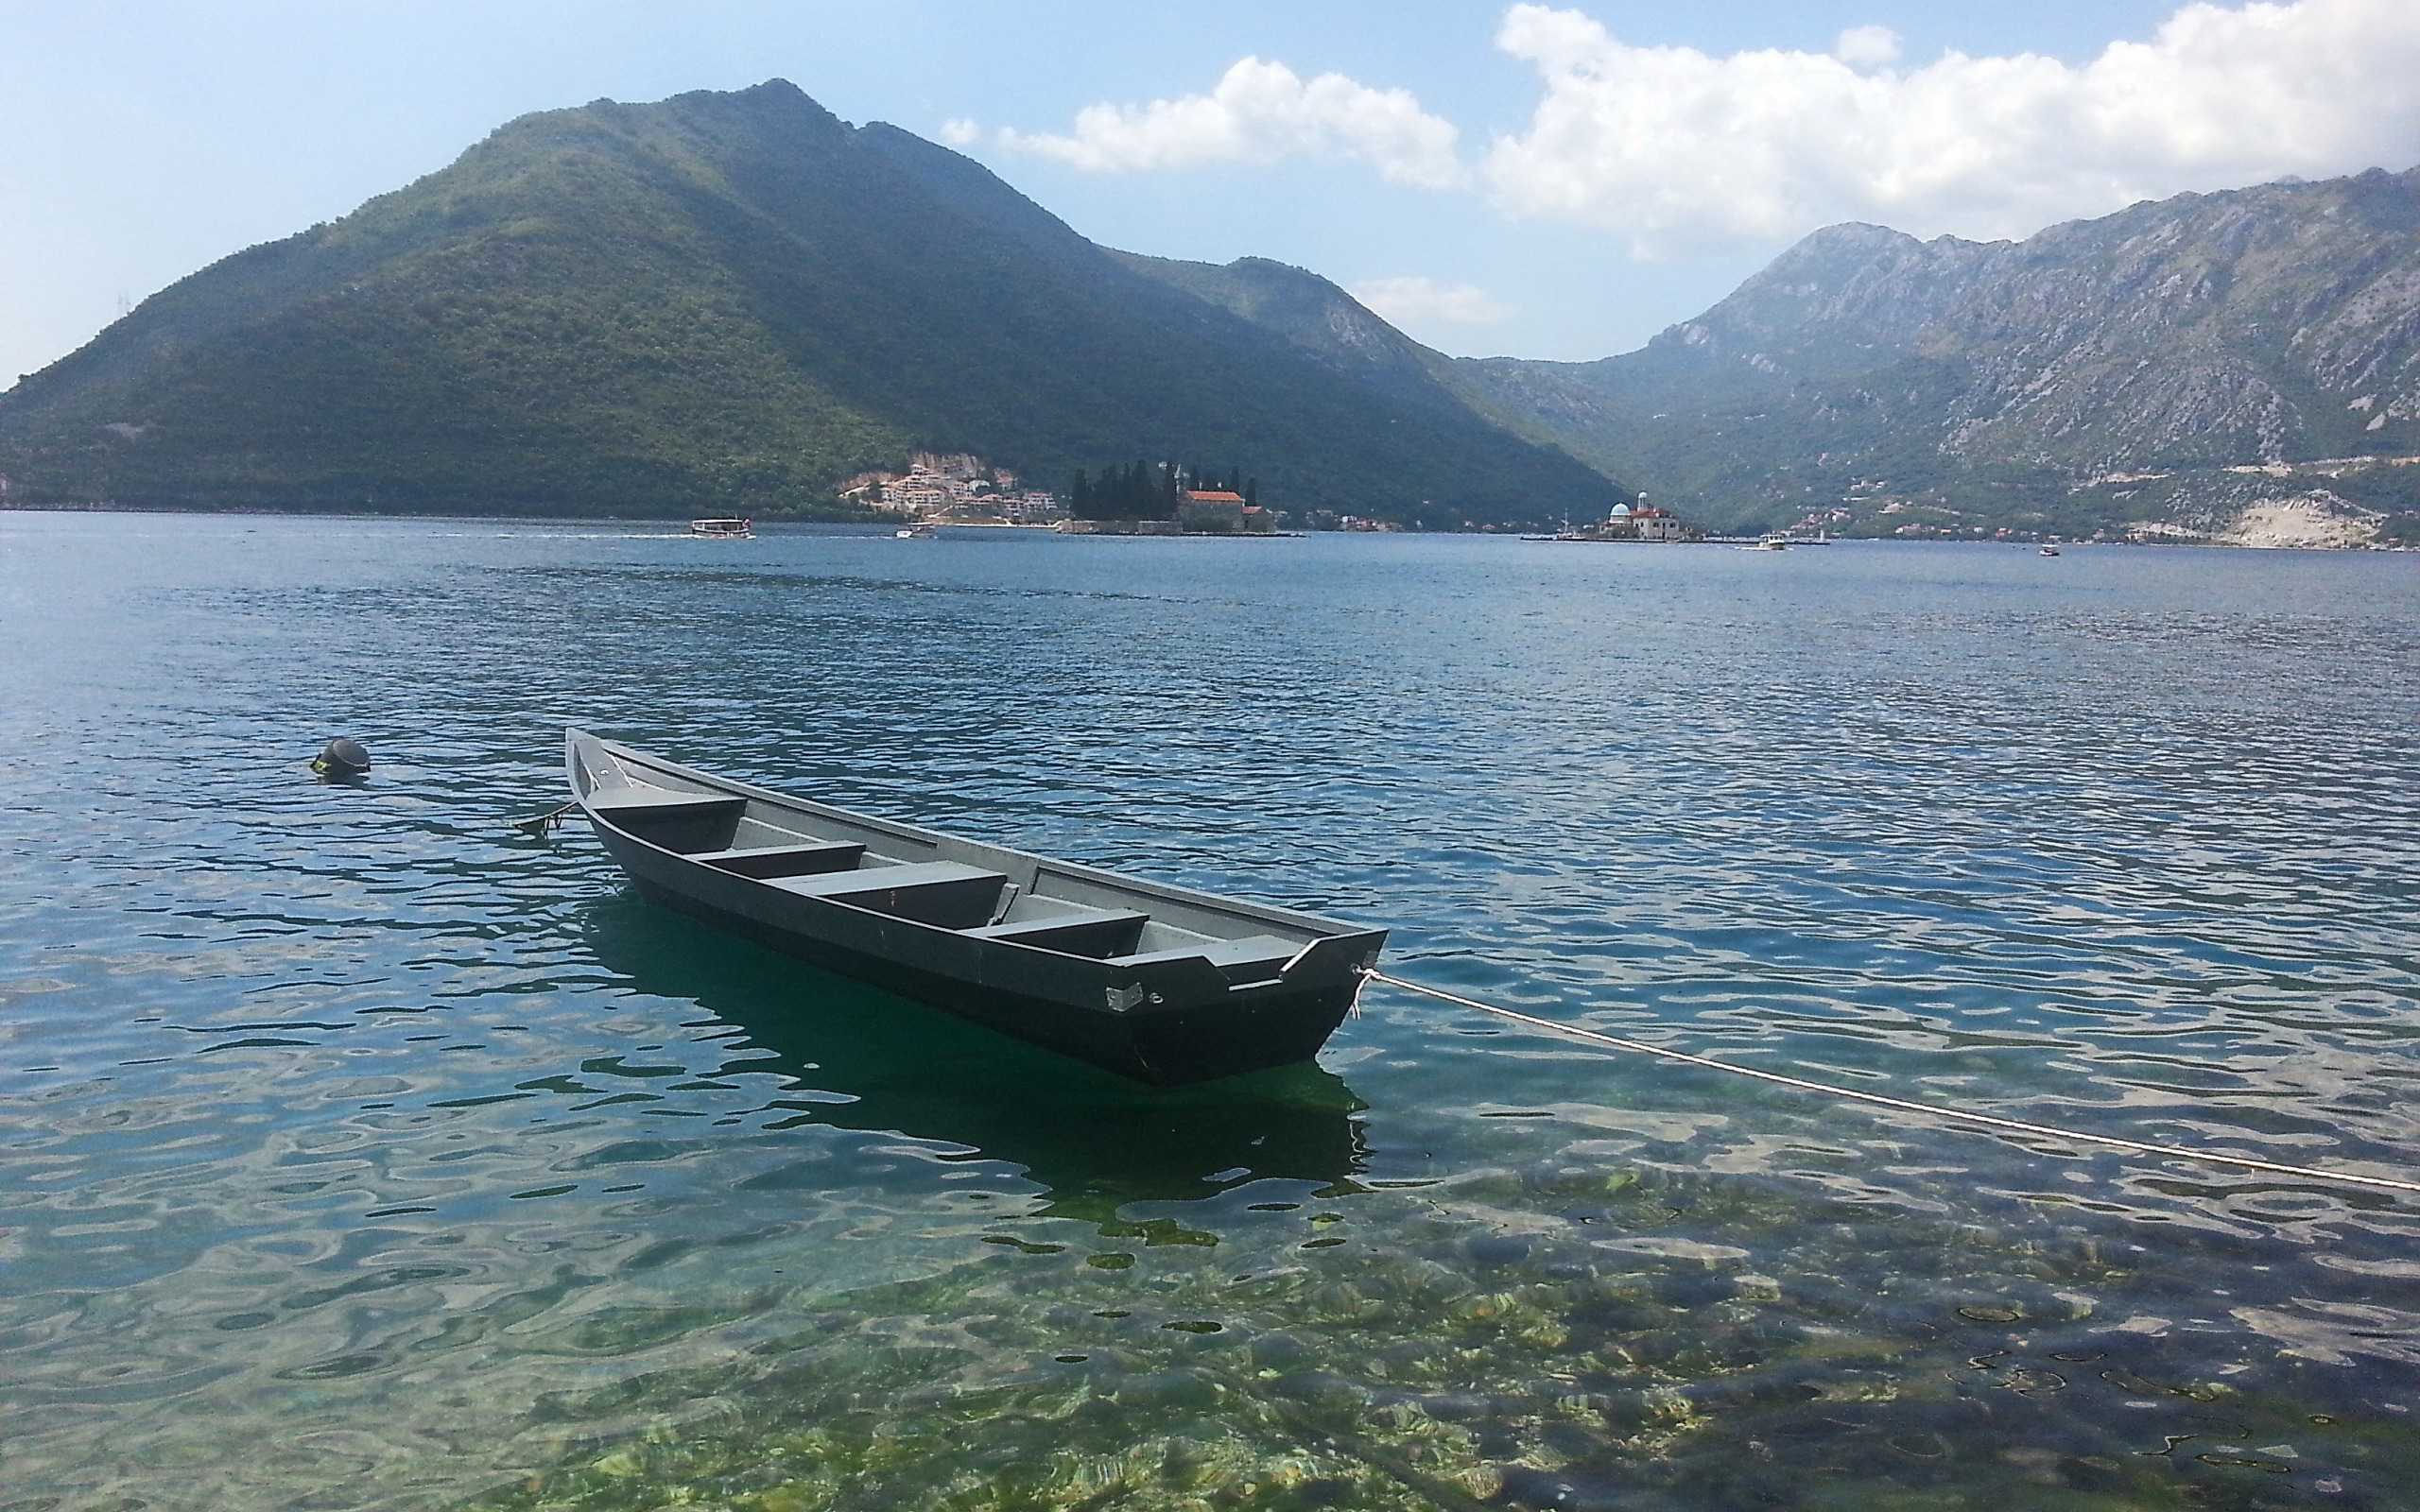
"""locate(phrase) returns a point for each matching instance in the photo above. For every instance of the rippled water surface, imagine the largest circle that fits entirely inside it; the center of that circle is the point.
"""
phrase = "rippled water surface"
(361, 1152)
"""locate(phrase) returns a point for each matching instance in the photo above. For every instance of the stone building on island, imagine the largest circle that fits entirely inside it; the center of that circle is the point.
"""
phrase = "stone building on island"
(1636, 522)
(1220, 512)
(1643, 522)
(1199, 512)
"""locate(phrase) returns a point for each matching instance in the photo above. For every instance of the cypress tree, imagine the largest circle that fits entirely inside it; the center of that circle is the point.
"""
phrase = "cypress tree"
(1151, 491)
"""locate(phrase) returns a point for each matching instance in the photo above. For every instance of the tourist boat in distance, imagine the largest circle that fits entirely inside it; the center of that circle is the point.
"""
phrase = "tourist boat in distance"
(918, 532)
(1156, 983)
(723, 529)
(1770, 543)
(2049, 551)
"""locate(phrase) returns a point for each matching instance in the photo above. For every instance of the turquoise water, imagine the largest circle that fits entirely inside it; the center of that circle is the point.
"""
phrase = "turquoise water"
(361, 1152)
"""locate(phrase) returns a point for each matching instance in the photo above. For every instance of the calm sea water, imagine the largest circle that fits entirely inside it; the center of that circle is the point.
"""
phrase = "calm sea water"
(359, 1152)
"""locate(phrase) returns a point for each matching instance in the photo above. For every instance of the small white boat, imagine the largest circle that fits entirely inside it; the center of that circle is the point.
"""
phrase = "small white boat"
(1769, 543)
(2050, 551)
(917, 533)
(729, 529)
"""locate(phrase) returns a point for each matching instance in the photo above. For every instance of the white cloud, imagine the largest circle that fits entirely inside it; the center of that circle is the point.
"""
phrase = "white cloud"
(1672, 145)
(959, 132)
(1867, 47)
(1258, 113)
(1676, 148)
(1423, 302)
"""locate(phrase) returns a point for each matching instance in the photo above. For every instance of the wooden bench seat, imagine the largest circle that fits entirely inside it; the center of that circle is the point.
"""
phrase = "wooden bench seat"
(686, 822)
(948, 893)
(1095, 932)
(807, 858)
(1248, 959)
(645, 803)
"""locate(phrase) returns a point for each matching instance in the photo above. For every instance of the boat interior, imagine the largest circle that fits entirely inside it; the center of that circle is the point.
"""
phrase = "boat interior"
(983, 892)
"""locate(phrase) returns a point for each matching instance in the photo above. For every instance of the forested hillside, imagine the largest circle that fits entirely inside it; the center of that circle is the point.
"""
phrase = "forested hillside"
(723, 302)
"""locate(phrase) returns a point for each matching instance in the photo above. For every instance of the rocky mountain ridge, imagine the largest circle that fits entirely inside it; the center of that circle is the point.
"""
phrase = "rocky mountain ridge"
(2104, 374)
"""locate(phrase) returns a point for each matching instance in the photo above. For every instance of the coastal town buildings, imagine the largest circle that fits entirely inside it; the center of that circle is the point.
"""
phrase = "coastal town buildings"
(1035, 507)
(956, 487)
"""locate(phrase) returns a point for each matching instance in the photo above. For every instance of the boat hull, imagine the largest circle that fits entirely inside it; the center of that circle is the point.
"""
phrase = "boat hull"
(1166, 1017)
(1171, 1049)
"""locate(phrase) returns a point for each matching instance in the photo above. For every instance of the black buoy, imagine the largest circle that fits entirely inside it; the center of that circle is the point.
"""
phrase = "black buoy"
(341, 758)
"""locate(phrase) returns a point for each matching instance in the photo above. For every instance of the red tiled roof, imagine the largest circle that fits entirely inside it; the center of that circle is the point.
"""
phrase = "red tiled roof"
(1213, 496)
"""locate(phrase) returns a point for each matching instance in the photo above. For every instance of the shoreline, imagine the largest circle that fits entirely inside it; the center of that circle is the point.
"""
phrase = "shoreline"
(890, 526)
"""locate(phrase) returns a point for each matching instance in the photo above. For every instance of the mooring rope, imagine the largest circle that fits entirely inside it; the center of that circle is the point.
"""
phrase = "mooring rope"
(541, 823)
(1903, 1104)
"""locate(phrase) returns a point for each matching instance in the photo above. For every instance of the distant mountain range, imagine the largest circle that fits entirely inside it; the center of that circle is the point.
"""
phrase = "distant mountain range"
(2169, 370)
(733, 302)
(722, 302)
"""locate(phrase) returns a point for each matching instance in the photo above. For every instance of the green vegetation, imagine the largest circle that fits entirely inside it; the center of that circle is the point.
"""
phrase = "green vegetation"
(1146, 492)
(723, 302)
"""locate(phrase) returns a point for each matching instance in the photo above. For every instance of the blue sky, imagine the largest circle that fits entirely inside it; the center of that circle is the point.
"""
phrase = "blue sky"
(1551, 180)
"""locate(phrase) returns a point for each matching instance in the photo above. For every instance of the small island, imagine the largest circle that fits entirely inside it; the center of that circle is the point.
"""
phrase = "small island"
(1640, 521)
(1166, 499)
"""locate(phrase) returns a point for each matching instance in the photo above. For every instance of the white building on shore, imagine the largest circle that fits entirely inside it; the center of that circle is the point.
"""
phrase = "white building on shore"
(956, 486)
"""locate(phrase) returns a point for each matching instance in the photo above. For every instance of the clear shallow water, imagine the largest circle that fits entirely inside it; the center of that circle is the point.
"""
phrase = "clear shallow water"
(356, 1151)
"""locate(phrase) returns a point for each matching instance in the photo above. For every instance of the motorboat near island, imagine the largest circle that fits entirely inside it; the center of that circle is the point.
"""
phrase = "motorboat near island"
(729, 529)
(1157, 983)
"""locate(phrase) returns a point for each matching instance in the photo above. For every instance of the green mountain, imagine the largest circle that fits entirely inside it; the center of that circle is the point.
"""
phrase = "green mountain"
(723, 302)
(2171, 369)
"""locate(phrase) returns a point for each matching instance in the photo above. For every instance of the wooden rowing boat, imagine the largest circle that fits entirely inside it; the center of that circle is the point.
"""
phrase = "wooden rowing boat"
(1157, 983)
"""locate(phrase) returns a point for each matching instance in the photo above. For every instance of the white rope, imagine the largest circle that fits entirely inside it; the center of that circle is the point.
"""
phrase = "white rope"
(1987, 1120)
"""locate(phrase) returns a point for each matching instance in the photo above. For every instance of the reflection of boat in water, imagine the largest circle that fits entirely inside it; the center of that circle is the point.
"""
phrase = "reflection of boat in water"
(732, 529)
(1158, 983)
(856, 1057)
